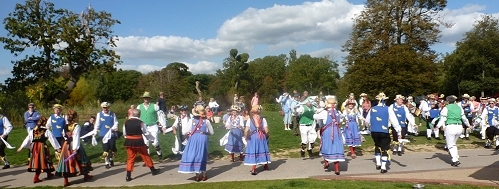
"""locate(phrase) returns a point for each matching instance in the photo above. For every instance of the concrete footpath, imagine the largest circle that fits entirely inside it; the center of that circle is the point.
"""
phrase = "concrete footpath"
(478, 167)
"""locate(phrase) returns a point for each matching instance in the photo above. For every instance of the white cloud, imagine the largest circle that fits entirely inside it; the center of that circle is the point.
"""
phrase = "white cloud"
(275, 29)
(5, 72)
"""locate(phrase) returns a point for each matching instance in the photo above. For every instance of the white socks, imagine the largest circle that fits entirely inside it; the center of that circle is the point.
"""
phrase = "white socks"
(384, 159)
(378, 159)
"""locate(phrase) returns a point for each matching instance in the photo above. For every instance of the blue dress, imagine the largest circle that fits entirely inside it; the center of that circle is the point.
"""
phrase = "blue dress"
(331, 139)
(235, 141)
(195, 156)
(351, 130)
(257, 151)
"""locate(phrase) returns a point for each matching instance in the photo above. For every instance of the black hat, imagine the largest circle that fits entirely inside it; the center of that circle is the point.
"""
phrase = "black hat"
(183, 108)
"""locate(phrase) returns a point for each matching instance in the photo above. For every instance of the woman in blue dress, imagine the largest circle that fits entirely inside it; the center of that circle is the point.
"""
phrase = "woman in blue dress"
(351, 128)
(257, 133)
(235, 141)
(332, 149)
(195, 156)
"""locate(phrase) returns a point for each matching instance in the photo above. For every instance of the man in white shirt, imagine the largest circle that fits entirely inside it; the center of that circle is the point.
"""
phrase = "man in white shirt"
(213, 106)
(5, 128)
(181, 129)
(405, 120)
(106, 123)
(468, 108)
(149, 115)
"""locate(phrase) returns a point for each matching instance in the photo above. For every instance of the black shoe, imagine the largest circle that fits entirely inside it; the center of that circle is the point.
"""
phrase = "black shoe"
(467, 138)
(428, 138)
(108, 166)
(394, 153)
(310, 155)
(438, 138)
(302, 153)
(399, 153)
(155, 171)
(128, 178)
(6, 166)
(383, 171)
(497, 147)
(488, 146)
(378, 167)
(337, 173)
(160, 158)
(455, 164)
(111, 163)
(446, 149)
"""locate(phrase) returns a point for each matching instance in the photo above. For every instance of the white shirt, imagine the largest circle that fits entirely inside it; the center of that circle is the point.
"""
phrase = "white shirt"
(185, 124)
(213, 104)
(156, 107)
(229, 122)
(264, 122)
(7, 127)
(408, 114)
(461, 104)
(443, 117)
(29, 140)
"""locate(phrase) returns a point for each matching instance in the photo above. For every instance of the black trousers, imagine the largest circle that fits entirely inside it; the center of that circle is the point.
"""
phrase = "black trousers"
(2, 147)
(395, 134)
(110, 146)
(491, 131)
(381, 142)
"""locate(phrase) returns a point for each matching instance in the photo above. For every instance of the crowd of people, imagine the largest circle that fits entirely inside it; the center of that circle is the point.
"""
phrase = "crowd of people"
(311, 118)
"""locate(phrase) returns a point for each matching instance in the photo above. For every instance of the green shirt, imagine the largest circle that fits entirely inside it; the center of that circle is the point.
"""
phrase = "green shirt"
(148, 116)
(453, 114)
(307, 117)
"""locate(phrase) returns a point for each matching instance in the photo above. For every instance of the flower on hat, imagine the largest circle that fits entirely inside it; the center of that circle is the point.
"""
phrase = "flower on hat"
(105, 104)
(381, 96)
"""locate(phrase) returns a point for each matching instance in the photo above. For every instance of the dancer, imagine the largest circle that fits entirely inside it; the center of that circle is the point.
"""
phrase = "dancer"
(379, 117)
(56, 123)
(257, 133)
(149, 115)
(452, 117)
(134, 129)
(490, 117)
(365, 107)
(40, 158)
(235, 141)
(331, 138)
(74, 160)
(5, 128)
(106, 124)
(467, 107)
(351, 129)
(430, 126)
(403, 116)
(195, 156)
(181, 129)
(307, 128)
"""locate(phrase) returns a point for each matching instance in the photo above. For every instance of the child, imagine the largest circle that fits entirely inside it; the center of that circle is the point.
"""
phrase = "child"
(40, 158)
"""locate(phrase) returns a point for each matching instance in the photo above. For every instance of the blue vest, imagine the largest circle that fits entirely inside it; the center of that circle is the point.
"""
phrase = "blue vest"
(434, 113)
(105, 123)
(58, 125)
(400, 113)
(492, 113)
(466, 109)
(1, 124)
(379, 119)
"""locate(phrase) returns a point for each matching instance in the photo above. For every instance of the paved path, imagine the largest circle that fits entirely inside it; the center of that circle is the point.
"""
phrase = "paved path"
(478, 166)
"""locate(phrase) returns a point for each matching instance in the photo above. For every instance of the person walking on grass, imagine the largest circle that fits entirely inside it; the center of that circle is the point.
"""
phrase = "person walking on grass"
(149, 115)
(107, 125)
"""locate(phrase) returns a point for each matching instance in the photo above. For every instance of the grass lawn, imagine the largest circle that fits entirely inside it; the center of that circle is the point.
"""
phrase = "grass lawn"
(303, 183)
(282, 143)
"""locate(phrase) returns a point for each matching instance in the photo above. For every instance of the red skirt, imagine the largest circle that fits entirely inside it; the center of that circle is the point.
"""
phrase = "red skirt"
(40, 159)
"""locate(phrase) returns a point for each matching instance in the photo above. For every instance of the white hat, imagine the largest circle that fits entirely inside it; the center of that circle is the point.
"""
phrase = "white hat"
(409, 98)
(399, 97)
(363, 94)
(105, 104)
(381, 96)
(466, 95)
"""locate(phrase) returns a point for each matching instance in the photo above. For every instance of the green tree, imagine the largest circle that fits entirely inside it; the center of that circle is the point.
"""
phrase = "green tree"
(267, 76)
(233, 75)
(312, 74)
(474, 65)
(384, 27)
(63, 40)
(118, 85)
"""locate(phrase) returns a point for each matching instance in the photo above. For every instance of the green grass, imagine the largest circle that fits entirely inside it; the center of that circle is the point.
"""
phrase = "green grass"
(303, 183)
(282, 143)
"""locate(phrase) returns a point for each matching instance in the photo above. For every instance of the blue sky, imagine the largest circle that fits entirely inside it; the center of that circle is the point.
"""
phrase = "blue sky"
(201, 33)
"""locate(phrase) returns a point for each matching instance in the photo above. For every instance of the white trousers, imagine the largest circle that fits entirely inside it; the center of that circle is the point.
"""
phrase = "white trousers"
(308, 134)
(153, 129)
(483, 127)
(452, 133)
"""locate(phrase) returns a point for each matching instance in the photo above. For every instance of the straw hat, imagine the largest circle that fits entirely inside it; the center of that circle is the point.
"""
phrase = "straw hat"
(330, 101)
(491, 100)
(442, 96)
(256, 108)
(198, 111)
(483, 98)
(351, 95)
(466, 96)
(381, 96)
(57, 106)
(363, 94)
(105, 105)
(409, 98)
(235, 108)
(146, 95)
(31, 104)
(399, 97)
(431, 96)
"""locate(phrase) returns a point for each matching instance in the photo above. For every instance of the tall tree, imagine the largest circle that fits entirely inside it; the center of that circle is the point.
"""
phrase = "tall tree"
(233, 74)
(312, 74)
(474, 65)
(408, 25)
(62, 40)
